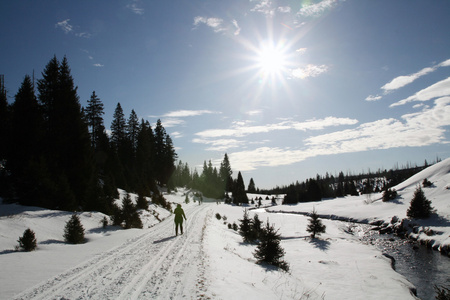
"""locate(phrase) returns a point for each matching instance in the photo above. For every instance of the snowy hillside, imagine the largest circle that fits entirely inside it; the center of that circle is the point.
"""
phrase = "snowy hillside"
(210, 261)
(370, 208)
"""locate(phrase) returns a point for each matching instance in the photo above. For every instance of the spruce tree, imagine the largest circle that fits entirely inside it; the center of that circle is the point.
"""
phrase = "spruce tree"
(420, 207)
(28, 241)
(256, 228)
(251, 186)
(74, 231)
(94, 112)
(129, 214)
(239, 194)
(225, 173)
(269, 249)
(315, 226)
(245, 227)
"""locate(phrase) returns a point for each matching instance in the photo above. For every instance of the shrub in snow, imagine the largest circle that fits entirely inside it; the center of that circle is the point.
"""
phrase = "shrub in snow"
(218, 216)
(74, 231)
(269, 249)
(315, 225)
(426, 183)
(235, 227)
(389, 195)
(28, 241)
(229, 226)
(420, 207)
(104, 222)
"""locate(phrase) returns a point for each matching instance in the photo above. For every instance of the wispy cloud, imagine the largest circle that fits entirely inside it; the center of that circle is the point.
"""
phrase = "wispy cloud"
(313, 10)
(64, 26)
(263, 6)
(135, 7)
(215, 23)
(403, 80)
(189, 113)
(309, 71)
(219, 144)
(241, 129)
(419, 129)
(98, 65)
(439, 89)
(68, 28)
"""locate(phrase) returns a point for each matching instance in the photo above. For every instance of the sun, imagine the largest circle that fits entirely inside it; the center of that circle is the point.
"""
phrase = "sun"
(271, 60)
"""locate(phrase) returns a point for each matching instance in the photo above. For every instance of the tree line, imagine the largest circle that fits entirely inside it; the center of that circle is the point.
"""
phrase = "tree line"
(329, 186)
(212, 182)
(57, 154)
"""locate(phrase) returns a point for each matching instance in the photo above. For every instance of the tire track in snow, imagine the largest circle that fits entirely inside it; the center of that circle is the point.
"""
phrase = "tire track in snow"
(151, 265)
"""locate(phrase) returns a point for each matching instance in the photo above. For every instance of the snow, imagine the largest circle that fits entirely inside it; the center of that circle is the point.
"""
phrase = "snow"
(371, 208)
(210, 261)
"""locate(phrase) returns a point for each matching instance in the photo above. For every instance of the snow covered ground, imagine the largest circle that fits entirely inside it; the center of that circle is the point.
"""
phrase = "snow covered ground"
(371, 208)
(210, 261)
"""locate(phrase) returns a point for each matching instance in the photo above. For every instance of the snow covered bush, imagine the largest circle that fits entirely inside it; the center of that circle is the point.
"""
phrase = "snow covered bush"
(420, 207)
(269, 249)
(28, 241)
(74, 231)
(315, 225)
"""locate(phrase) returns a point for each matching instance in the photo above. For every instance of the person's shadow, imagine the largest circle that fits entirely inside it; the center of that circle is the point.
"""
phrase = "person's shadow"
(164, 240)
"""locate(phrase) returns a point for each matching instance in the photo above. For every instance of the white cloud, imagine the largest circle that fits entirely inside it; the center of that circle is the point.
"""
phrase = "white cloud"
(176, 134)
(98, 65)
(85, 35)
(135, 7)
(413, 130)
(64, 26)
(241, 129)
(404, 80)
(189, 113)
(401, 81)
(172, 122)
(284, 9)
(220, 144)
(264, 6)
(439, 89)
(238, 29)
(317, 9)
(215, 23)
(309, 71)
(373, 98)
(301, 51)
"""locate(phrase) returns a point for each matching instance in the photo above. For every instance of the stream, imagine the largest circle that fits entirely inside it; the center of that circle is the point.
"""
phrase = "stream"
(423, 267)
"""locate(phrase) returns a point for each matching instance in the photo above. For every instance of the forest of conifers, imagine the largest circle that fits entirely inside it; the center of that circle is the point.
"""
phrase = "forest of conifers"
(56, 154)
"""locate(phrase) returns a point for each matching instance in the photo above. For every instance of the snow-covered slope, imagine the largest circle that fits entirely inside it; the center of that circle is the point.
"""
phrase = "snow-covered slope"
(370, 208)
(210, 260)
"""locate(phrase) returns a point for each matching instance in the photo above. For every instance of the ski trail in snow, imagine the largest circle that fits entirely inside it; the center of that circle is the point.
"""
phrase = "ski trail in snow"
(154, 265)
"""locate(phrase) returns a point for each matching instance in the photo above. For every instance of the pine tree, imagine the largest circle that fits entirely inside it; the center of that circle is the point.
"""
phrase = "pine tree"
(315, 225)
(245, 227)
(129, 214)
(239, 194)
(74, 231)
(118, 126)
(28, 241)
(94, 112)
(269, 249)
(251, 186)
(256, 228)
(420, 207)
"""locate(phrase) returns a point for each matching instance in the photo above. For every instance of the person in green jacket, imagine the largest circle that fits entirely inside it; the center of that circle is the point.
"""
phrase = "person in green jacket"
(179, 215)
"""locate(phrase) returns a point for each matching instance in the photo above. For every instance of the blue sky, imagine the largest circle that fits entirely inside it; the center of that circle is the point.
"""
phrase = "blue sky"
(289, 89)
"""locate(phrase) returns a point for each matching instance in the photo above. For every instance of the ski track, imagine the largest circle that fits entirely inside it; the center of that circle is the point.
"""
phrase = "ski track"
(154, 265)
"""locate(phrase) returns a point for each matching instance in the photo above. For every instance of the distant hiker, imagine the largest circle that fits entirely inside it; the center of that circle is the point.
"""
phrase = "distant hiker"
(179, 215)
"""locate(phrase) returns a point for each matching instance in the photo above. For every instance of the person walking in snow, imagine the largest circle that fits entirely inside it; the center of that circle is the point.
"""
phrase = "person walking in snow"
(179, 215)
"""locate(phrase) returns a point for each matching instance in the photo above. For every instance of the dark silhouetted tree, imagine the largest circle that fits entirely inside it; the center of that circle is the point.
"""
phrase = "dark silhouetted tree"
(28, 241)
(315, 226)
(74, 231)
(420, 207)
(269, 249)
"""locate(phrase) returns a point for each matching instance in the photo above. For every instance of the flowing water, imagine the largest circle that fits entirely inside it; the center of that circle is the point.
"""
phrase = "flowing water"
(423, 267)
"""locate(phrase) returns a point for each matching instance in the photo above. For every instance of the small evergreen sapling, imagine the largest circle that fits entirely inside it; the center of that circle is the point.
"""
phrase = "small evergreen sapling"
(420, 207)
(269, 249)
(315, 225)
(129, 214)
(74, 231)
(256, 228)
(28, 241)
(245, 227)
